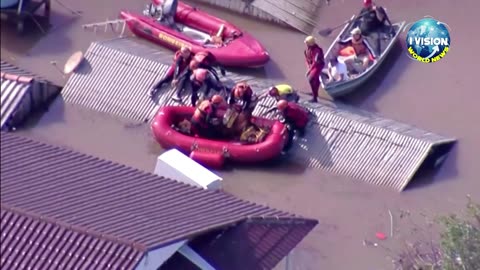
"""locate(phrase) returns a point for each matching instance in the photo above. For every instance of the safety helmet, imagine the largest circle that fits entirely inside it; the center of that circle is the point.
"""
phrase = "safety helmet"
(310, 40)
(200, 74)
(367, 2)
(217, 99)
(200, 56)
(185, 49)
(356, 31)
(282, 105)
(240, 89)
(273, 91)
(193, 64)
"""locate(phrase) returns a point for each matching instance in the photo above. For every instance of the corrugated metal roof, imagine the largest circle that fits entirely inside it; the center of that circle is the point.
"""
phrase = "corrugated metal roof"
(268, 245)
(365, 146)
(33, 241)
(243, 7)
(119, 74)
(21, 96)
(300, 14)
(342, 139)
(104, 198)
(9, 68)
(12, 97)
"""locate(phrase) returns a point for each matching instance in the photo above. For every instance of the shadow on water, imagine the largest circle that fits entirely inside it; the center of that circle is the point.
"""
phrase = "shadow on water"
(53, 112)
(22, 43)
(430, 172)
(282, 165)
(369, 89)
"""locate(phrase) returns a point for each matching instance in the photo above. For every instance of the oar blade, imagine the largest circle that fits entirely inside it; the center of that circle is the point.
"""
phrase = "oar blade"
(325, 32)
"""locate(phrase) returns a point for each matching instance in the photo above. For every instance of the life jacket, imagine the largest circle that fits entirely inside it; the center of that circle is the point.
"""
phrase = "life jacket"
(347, 51)
(284, 89)
(359, 47)
(296, 114)
(201, 57)
(185, 62)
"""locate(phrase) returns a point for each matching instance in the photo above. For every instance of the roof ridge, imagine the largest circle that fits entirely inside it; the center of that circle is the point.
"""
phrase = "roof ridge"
(17, 78)
(74, 228)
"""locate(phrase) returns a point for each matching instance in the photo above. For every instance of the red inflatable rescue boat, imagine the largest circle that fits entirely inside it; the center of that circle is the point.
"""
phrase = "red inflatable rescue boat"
(213, 153)
(231, 46)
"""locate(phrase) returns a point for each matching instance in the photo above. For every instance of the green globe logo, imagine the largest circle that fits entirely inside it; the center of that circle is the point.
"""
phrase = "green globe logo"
(428, 40)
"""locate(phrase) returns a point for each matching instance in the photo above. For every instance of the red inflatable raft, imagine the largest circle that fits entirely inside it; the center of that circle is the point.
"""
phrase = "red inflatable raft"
(214, 153)
(237, 49)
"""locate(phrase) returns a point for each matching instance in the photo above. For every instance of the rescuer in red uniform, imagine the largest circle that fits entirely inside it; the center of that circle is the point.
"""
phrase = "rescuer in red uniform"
(315, 63)
(203, 119)
(207, 61)
(294, 115)
(242, 94)
(181, 60)
(204, 78)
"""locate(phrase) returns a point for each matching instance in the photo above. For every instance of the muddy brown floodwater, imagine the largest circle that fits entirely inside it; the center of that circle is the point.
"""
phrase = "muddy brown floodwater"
(441, 97)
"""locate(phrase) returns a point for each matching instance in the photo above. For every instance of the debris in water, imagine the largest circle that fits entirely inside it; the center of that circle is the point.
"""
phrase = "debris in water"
(369, 243)
(381, 236)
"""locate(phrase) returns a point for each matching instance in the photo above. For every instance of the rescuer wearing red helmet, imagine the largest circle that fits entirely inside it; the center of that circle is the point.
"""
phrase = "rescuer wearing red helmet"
(294, 115)
(203, 77)
(203, 123)
(372, 17)
(181, 61)
(243, 95)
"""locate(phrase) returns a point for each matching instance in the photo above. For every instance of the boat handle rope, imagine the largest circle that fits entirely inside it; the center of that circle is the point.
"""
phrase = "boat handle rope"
(194, 146)
(226, 153)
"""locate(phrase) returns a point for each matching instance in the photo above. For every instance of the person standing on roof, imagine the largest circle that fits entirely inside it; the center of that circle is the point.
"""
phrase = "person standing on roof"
(169, 10)
(295, 116)
(181, 60)
(243, 99)
(315, 62)
(207, 61)
(203, 78)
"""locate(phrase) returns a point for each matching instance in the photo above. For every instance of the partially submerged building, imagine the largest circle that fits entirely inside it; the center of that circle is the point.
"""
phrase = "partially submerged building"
(23, 94)
(61, 209)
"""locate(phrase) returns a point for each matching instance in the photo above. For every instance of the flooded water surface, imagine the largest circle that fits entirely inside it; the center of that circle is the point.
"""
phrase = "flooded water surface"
(441, 97)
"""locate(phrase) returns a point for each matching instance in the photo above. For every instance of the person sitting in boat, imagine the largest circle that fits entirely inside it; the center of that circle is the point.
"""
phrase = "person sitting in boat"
(283, 92)
(337, 70)
(295, 116)
(169, 9)
(204, 119)
(181, 61)
(217, 39)
(207, 61)
(243, 99)
(356, 51)
(372, 17)
(204, 78)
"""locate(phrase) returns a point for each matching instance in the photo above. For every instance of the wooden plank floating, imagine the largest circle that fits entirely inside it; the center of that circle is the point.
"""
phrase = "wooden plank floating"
(298, 14)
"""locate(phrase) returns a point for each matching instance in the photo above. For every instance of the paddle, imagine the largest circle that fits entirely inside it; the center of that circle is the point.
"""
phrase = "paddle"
(327, 31)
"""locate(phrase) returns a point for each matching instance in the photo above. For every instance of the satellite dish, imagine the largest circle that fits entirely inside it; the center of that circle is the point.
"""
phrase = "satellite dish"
(73, 62)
